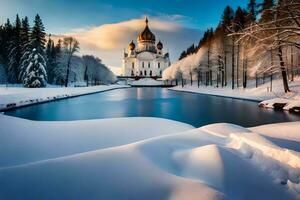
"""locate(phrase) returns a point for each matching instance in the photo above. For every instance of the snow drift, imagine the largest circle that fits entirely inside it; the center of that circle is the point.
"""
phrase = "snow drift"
(101, 159)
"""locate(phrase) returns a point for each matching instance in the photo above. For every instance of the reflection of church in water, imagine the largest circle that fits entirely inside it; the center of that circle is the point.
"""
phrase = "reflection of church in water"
(147, 59)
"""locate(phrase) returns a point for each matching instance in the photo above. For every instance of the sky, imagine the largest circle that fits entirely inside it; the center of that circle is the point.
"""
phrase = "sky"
(104, 28)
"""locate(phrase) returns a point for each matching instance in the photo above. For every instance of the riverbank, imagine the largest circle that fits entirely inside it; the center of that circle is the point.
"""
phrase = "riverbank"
(261, 93)
(14, 97)
(124, 159)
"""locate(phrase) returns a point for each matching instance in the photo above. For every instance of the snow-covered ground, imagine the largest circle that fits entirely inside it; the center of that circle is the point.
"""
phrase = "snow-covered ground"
(20, 96)
(261, 93)
(130, 159)
(147, 82)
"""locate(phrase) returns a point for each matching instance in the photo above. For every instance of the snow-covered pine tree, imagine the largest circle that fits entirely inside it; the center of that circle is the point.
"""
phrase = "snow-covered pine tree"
(35, 75)
(25, 35)
(37, 45)
(14, 55)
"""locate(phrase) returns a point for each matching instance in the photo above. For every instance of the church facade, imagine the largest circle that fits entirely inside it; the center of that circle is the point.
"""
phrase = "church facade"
(147, 58)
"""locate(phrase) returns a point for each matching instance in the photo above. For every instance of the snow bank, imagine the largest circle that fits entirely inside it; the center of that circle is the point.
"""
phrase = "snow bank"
(170, 160)
(13, 97)
(261, 93)
(291, 103)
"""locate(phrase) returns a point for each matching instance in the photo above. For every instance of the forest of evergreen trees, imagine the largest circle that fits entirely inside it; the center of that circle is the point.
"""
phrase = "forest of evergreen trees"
(260, 42)
(29, 57)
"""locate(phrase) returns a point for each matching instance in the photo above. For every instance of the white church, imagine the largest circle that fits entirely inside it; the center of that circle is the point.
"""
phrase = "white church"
(147, 59)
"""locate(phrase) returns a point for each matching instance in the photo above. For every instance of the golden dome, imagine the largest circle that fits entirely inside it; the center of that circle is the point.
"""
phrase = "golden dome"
(159, 45)
(131, 46)
(146, 35)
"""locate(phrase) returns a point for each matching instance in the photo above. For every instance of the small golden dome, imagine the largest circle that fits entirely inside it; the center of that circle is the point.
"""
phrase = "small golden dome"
(146, 35)
(159, 45)
(131, 46)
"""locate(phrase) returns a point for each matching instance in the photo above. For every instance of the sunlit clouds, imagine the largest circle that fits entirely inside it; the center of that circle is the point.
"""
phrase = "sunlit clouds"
(108, 41)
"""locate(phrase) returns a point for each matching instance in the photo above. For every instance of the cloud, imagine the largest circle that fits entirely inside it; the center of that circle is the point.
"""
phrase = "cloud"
(108, 41)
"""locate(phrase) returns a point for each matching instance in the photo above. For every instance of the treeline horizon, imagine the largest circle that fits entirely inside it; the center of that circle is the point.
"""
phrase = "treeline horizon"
(260, 41)
(30, 57)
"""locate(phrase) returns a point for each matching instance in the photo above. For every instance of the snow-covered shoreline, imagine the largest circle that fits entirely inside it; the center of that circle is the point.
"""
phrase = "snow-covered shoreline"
(216, 92)
(14, 97)
(123, 158)
(260, 94)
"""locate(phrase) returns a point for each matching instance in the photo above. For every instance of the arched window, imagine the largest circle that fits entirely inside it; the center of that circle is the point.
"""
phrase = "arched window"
(150, 72)
(145, 73)
(132, 65)
(160, 72)
(149, 65)
(158, 65)
(132, 73)
(143, 64)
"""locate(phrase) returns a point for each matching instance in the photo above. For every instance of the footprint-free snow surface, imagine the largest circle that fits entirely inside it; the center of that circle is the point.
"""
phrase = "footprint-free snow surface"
(147, 158)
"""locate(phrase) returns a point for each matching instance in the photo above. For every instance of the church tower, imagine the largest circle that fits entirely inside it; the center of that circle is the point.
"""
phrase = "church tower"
(147, 59)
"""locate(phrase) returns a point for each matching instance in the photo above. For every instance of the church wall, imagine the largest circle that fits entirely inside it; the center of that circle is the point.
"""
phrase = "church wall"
(155, 66)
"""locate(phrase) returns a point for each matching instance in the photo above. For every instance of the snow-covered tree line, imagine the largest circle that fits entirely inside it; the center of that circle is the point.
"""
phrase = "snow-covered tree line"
(260, 43)
(28, 57)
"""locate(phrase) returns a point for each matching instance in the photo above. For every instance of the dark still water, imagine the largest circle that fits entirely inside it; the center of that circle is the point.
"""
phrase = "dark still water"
(194, 109)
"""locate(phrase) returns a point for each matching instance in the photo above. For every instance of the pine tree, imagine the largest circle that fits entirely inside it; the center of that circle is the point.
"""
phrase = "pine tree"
(36, 43)
(182, 55)
(35, 74)
(38, 35)
(226, 23)
(227, 18)
(51, 58)
(191, 49)
(266, 13)
(239, 19)
(25, 50)
(252, 11)
(58, 47)
(5, 38)
(36, 46)
(24, 34)
(15, 52)
(239, 24)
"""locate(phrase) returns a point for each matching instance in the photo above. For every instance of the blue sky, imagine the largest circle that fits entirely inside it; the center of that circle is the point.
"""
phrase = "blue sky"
(63, 15)
(69, 16)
